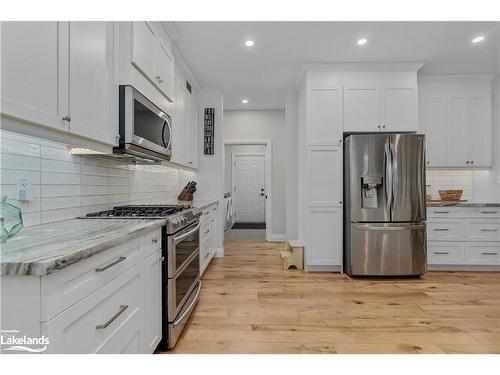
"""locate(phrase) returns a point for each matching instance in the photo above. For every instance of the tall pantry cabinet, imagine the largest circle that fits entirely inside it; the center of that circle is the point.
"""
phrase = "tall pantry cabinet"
(335, 100)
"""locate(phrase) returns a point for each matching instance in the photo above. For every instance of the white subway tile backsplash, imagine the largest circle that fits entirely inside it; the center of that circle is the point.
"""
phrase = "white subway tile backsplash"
(67, 186)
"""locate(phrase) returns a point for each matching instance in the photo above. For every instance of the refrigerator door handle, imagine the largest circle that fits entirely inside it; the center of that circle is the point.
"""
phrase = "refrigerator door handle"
(388, 177)
(389, 228)
(394, 174)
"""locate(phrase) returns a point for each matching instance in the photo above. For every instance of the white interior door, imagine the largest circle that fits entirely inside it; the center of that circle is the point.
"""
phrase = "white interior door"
(249, 188)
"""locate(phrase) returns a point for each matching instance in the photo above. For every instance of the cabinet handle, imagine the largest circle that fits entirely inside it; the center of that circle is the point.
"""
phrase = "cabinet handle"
(467, 162)
(441, 229)
(472, 161)
(487, 253)
(428, 162)
(102, 269)
(489, 212)
(67, 118)
(190, 162)
(489, 230)
(383, 126)
(441, 253)
(157, 78)
(105, 325)
(206, 256)
(207, 231)
(154, 240)
(378, 126)
(441, 212)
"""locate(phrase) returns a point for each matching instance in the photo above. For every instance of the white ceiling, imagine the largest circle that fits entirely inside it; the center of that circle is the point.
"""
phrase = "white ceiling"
(217, 56)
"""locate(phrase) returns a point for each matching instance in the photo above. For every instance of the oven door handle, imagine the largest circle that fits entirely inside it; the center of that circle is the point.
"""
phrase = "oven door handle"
(183, 236)
(188, 310)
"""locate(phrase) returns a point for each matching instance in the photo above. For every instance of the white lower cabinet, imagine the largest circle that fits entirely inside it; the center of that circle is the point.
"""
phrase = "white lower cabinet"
(110, 302)
(324, 245)
(208, 236)
(463, 236)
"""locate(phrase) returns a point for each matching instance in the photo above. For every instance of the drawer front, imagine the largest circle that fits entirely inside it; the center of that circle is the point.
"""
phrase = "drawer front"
(64, 288)
(151, 242)
(445, 230)
(483, 212)
(445, 253)
(482, 230)
(205, 230)
(93, 324)
(444, 212)
(204, 251)
(482, 253)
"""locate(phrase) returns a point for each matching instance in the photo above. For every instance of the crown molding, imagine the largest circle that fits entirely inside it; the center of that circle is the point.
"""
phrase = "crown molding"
(455, 77)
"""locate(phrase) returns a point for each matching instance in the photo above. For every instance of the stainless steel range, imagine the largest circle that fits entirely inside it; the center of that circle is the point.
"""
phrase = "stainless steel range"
(181, 283)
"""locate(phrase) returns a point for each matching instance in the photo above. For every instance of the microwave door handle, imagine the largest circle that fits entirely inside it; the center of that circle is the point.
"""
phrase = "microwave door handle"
(166, 123)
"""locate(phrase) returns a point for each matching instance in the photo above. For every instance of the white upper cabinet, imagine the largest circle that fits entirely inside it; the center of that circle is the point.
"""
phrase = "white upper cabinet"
(34, 67)
(380, 108)
(456, 119)
(93, 94)
(361, 109)
(325, 125)
(399, 108)
(150, 56)
(143, 48)
(60, 75)
(193, 120)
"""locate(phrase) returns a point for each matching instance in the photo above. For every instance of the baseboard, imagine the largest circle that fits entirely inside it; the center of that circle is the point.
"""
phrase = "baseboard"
(323, 269)
(277, 238)
(470, 268)
(219, 253)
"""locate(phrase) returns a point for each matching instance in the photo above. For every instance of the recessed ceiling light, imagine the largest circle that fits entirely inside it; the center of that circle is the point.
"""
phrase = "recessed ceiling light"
(249, 43)
(244, 101)
(478, 39)
(362, 41)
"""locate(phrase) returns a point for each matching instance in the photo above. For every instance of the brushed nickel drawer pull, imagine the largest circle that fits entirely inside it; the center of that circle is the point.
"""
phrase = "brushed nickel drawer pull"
(102, 269)
(105, 325)
(441, 253)
(486, 253)
(154, 240)
(489, 230)
(441, 212)
(206, 256)
(441, 229)
(489, 212)
(207, 231)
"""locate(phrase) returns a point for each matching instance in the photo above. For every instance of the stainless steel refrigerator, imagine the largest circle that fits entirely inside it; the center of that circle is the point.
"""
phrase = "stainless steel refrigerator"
(385, 210)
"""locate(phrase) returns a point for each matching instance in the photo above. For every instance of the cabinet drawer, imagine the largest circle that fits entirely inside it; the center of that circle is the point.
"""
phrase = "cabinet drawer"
(444, 212)
(484, 253)
(93, 324)
(205, 231)
(446, 253)
(483, 212)
(64, 288)
(445, 230)
(482, 230)
(151, 242)
(204, 251)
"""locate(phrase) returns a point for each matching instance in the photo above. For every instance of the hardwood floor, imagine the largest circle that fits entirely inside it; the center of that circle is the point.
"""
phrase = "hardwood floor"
(249, 305)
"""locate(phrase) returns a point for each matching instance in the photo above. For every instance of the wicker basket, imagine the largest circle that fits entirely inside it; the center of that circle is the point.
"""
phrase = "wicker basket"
(450, 195)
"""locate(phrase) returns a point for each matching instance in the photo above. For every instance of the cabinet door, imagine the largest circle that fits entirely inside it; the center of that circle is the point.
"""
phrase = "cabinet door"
(179, 127)
(361, 109)
(143, 48)
(192, 132)
(164, 71)
(399, 108)
(456, 131)
(213, 231)
(151, 292)
(93, 96)
(324, 245)
(325, 117)
(434, 124)
(34, 58)
(325, 175)
(479, 132)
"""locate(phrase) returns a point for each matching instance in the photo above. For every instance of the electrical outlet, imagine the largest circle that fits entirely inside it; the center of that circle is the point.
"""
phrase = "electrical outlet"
(24, 192)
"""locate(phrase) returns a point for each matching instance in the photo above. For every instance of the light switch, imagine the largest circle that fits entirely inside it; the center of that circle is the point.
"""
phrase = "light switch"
(24, 192)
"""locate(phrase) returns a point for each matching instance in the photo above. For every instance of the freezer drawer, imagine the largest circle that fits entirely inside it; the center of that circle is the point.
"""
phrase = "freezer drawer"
(387, 249)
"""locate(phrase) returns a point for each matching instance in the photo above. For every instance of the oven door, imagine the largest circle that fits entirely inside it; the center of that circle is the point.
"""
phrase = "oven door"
(182, 284)
(182, 246)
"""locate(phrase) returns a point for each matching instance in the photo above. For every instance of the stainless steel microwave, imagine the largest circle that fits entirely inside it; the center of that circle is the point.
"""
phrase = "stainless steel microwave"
(145, 130)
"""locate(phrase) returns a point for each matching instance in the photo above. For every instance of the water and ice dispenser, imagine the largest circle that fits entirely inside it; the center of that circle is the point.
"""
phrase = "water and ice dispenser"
(370, 186)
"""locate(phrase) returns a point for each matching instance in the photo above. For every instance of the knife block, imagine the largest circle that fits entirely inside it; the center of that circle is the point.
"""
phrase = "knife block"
(185, 197)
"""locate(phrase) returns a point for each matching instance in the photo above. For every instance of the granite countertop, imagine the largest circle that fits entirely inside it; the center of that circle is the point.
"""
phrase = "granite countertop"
(461, 204)
(202, 204)
(44, 249)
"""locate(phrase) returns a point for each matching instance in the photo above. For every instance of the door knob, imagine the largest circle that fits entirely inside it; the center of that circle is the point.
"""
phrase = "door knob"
(261, 194)
(261, 189)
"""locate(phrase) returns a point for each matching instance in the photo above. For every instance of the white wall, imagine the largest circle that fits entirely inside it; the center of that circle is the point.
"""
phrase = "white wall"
(229, 151)
(291, 164)
(67, 186)
(259, 125)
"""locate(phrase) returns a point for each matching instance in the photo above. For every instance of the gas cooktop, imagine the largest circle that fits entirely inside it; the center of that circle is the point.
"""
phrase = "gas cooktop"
(140, 210)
